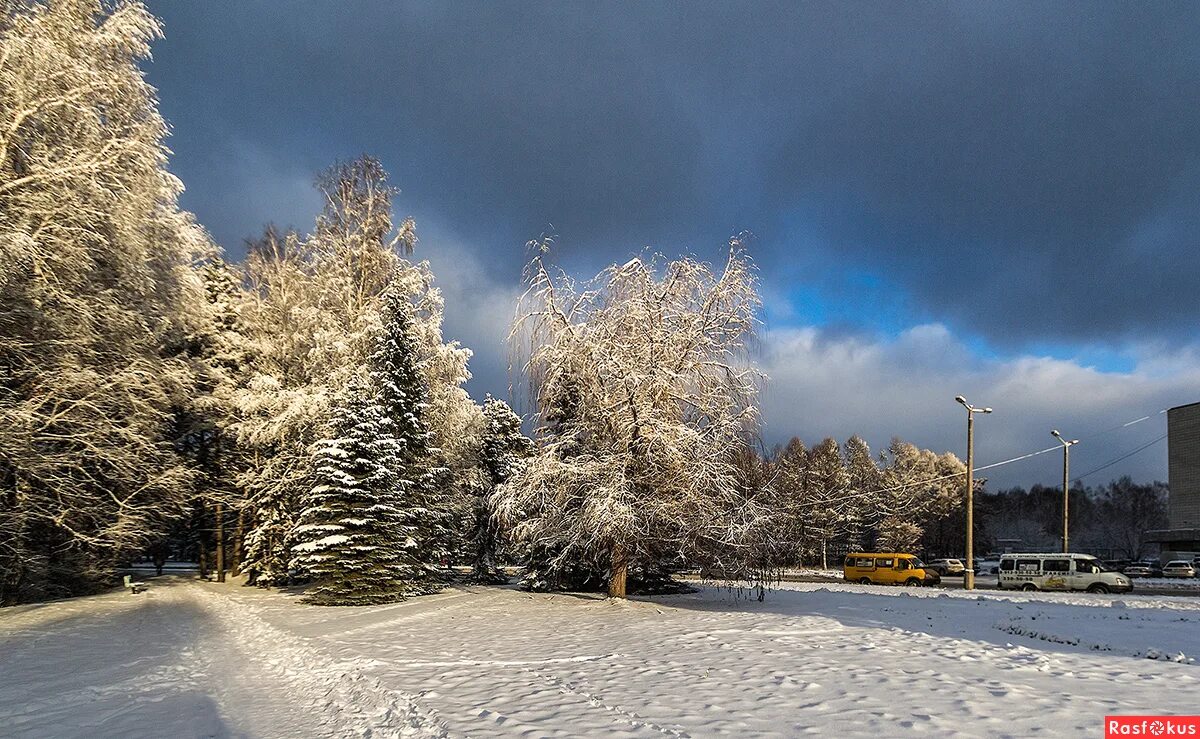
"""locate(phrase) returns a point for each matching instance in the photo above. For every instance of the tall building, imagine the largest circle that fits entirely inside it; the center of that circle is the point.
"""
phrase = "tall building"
(1182, 540)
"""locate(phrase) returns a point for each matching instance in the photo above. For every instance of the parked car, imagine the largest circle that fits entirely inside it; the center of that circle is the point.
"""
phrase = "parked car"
(947, 566)
(1179, 568)
(1059, 572)
(1116, 565)
(888, 568)
(1144, 569)
(987, 566)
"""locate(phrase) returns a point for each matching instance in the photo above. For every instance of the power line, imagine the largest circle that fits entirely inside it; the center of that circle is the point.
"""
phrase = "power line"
(1017, 459)
(993, 465)
(1123, 457)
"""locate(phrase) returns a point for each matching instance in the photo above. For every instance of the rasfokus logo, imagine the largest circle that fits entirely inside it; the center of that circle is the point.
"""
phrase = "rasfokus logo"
(1152, 726)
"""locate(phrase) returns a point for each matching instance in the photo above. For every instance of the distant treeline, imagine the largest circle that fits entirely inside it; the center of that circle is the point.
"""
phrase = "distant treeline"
(1109, 520)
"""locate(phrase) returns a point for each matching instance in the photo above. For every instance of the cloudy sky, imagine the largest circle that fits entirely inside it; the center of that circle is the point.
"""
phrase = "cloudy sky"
(1000, 200)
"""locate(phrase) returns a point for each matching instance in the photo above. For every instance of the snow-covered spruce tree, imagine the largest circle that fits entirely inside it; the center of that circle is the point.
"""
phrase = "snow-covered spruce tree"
(503, 451)
(418, 475)
(655, 352)
(356, 540)
(313, 314)
(97, 298)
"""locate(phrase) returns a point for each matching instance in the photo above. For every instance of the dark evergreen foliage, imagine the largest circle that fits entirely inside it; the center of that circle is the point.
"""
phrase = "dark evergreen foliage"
(503, 449)
(359, 541)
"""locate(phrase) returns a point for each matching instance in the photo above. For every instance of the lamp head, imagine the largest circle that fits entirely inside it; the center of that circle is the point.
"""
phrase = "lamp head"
(1055, 434)
(960, 399)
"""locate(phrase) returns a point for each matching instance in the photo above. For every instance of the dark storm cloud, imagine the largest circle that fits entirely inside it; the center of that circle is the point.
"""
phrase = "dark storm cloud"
(1050, 152)
(941, 194)
(1030, 174)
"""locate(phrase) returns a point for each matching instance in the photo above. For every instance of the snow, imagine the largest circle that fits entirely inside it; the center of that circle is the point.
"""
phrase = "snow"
(1167, 583)
(183, 659)
(205, 659)
(322, 543)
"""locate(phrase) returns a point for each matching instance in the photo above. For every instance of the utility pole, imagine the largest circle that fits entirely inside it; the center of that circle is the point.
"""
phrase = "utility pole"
(969, 574)
(1066, 482)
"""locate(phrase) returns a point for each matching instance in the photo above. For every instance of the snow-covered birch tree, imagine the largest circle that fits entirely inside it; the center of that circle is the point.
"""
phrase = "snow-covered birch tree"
(648, 361)
(97, 297)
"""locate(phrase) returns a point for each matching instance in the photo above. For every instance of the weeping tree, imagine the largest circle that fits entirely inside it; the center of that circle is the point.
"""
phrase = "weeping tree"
(643, 394)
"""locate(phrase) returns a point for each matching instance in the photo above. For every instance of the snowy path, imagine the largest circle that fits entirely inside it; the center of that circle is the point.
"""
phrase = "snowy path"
(210, 660)
(181, 660)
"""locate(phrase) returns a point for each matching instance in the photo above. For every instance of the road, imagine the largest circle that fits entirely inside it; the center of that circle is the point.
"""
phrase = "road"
(988, 582)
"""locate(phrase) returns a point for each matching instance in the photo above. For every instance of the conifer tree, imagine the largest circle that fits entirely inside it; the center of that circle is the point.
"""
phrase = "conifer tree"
(791, 486)
(825, 497)
(503, 451)
(358, 543)
(420, 478)
(863, 480)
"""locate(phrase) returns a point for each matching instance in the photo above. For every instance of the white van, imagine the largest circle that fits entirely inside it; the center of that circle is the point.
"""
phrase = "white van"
(1060, 572)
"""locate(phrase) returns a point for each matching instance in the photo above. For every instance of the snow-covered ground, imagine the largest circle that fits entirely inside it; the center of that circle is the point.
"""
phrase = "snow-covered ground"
(190, 659)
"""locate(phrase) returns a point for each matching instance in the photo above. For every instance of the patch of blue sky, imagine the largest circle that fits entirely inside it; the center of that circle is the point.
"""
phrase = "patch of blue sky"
(859, 300)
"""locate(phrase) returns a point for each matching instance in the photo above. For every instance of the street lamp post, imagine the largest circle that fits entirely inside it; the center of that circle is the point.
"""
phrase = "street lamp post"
(969, 574)
(1066, 481)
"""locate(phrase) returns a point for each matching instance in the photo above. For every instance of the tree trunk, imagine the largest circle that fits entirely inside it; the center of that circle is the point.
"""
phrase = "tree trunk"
(201, 547)
(824, 558)
(239, 538)
(220, 550)
(620, 569)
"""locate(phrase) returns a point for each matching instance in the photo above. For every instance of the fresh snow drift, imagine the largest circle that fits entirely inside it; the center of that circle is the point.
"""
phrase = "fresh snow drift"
(194, 659)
